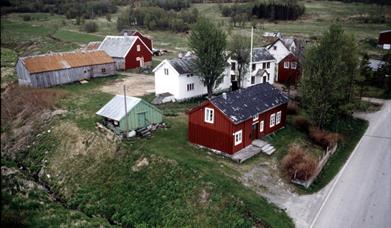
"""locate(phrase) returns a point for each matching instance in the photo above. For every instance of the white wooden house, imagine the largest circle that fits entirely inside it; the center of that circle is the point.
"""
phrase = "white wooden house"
(176, 79)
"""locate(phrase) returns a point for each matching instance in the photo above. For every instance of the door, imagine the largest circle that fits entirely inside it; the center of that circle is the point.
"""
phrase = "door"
(254, 131)
(264, 79)
(141, 119)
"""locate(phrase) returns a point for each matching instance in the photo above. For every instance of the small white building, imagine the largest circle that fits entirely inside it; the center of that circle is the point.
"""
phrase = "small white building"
(262, 69)
(177, 80)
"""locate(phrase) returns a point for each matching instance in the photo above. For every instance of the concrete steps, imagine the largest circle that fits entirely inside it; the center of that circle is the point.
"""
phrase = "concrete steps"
(264, 146)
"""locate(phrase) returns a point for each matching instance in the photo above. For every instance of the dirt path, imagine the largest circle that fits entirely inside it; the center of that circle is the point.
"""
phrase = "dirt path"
(136, 85)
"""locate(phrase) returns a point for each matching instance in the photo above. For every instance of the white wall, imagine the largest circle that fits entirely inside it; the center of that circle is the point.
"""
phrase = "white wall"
(177, 84)
(258, 79)
(281, 51)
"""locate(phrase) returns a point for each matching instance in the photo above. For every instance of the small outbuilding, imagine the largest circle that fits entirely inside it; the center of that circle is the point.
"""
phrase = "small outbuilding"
(139, 114)
(48, 70)
(385, 39)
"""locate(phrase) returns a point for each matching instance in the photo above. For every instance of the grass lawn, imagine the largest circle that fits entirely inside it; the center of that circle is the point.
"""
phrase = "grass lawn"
(181, 186)
(78, 37)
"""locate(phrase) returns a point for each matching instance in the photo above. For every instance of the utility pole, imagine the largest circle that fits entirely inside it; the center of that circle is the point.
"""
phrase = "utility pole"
(126, 114)
(251, 53)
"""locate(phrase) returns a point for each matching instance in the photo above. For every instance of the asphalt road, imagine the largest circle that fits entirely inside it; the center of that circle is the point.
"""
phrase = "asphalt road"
(360, 195)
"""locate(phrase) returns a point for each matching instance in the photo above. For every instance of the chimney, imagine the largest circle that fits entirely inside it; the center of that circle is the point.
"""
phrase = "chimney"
(125, 34)
(180, 55)
(225, 96)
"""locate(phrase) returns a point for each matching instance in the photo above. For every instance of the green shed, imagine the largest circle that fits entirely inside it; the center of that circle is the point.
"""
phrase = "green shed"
(139, 113)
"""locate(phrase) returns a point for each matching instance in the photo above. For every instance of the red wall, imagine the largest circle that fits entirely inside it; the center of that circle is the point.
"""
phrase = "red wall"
(285, 74)
(130, 59)
(146, 40)
(385, 38)
(219, 135)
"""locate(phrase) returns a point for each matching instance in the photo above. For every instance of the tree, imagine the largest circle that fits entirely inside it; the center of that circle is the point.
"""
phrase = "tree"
(208, 42)
(239, 51)
(329, 71)
(365, 73)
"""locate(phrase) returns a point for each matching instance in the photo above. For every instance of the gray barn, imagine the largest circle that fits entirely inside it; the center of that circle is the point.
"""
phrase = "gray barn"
(61, 68)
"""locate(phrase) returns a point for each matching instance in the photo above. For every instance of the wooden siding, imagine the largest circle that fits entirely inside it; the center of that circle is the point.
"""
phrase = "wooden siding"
(145, 39)
(217, 136)
(284, 75)
(131, 58)
(152, 115)
(220, 134)
(58, 77)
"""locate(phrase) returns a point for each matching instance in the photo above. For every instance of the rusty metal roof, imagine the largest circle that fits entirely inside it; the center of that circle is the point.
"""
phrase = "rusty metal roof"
(65, 60)
(92, 46)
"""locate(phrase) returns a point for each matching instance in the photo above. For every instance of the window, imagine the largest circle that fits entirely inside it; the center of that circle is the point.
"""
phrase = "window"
(116, 123)
(253, 67)
(238, 137)
(263, 65)
(272, 119)
(261, 126)
(268, 65)
(278, 117)
(103, 70)
(85, 71)
(252, 80)
(165, 71)
(286, 65)
(233, 66)
(255, 118)
(190, 87)
(274, 47)
(293, 65)
(209, 115)
(138, 47)
(233, 77)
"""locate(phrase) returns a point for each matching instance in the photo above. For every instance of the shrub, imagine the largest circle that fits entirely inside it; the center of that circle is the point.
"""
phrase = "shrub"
(90, 27)
(27, 17)
(298, 164)
(323, 138)
(302, 124)
(293, 108)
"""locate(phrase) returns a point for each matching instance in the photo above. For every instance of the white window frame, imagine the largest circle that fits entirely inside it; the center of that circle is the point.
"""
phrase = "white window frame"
(278, 118)
(138, 47)
(238, 137)
(190, 87)
(255, 118)
(165, 71)
(293, 65)
(286, 65)
(261, 125)
(209, 115)
(272, 120)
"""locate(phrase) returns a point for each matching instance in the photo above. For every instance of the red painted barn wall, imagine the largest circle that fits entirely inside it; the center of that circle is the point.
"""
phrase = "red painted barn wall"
(285, 74)
(217, 136)
(131, 58)
(384, 38)
(145, 39)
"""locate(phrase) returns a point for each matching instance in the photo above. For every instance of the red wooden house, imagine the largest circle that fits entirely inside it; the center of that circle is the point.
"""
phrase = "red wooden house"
(230, 122)
(288, 69)
(128, 52)
(385, 39)
(145, 39)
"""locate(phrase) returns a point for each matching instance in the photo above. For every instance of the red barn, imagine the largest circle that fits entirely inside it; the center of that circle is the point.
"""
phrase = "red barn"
(230, 122)
(128, 52)
(288, 69)
(384, 39)
(145, 39)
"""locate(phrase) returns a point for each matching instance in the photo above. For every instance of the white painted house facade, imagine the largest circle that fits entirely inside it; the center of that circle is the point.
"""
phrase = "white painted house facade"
(177, 77)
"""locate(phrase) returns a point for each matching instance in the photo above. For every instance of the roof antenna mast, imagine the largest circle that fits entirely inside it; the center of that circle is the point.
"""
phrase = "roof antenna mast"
(251, 52)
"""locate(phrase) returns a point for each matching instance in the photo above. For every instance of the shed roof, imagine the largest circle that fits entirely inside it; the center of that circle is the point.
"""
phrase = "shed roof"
(261, 54)
(115, 108)
(243, 104)
(117, 46)
(92, 45)
(375, 64)
(65, 60)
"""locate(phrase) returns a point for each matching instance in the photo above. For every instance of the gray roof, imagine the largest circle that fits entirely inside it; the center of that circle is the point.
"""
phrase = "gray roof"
(115, 108)
(184, 65)
(375, 64)
(117, 46)
(261, 54)
(243, 104)
(288, 41)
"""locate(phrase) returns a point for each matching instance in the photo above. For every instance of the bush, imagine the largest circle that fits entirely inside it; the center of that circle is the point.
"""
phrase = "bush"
(293, 108)
(323, 138)
(298, 164)
(90, 27)
(302, 124)
(26, 17)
